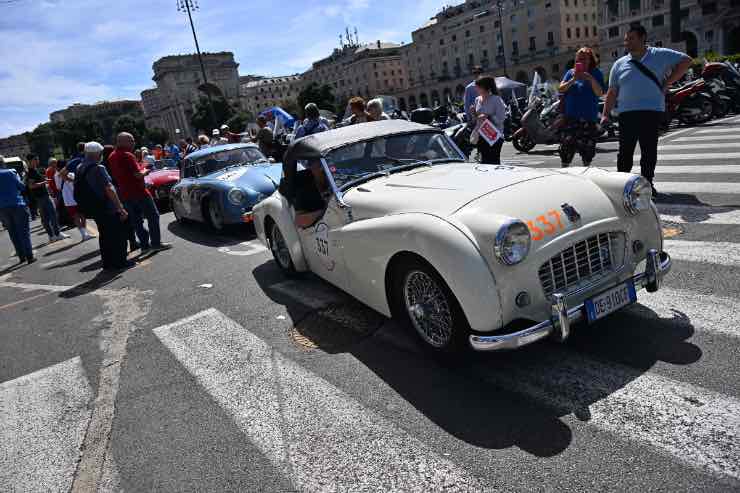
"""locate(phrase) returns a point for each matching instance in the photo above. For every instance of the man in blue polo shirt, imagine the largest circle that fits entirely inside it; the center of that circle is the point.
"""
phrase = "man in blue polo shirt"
(640, 98)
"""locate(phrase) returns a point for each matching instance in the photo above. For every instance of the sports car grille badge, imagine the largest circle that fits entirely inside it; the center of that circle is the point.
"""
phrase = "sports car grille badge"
(571, 213)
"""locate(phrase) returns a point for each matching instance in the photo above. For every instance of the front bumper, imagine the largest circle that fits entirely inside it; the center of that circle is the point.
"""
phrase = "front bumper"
(658, 264)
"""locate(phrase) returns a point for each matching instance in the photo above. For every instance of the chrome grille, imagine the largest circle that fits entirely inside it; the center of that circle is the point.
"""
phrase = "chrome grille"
(582, 263)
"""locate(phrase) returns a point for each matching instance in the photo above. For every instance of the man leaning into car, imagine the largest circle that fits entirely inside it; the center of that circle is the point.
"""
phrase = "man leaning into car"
(312, 195)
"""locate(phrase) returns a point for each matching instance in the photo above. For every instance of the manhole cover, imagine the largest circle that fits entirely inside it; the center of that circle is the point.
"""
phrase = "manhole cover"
(336, 327)
(671, 230)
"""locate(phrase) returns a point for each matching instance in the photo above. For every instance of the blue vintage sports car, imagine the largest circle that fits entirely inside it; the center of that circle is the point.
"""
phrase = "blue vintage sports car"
(220, 185)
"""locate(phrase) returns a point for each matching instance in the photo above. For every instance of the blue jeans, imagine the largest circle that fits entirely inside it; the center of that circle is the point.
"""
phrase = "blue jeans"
(17, 221)
(49, 218)
(140, 209)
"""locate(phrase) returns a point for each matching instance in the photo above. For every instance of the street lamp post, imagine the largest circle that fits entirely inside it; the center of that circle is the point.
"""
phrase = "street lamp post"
(501, 31)
(187, 6)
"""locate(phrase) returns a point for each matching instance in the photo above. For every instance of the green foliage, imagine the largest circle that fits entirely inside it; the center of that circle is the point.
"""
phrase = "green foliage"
(127, 123)
(41, 141)
(157, 135)
(322, 96)
(238, 122)
(202, 120)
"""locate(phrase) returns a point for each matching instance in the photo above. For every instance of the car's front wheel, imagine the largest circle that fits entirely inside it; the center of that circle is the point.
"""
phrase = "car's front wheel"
(215, 216)
(424, 300)
(280, 250)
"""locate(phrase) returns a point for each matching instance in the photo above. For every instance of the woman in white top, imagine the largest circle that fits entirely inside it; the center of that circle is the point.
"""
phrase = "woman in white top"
(65, 182)
(489, 106)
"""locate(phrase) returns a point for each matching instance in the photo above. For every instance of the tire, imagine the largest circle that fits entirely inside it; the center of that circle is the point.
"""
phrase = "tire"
(704, 104)
(214, 216)
(279, 249)
(178, 217)
(522, 142)
(414, 279)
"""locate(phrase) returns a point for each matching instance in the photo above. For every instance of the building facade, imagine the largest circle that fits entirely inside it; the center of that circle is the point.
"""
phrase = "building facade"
(261, 93)
(706, 26)
(179, 87)
(360, 70)
(99, 109)
(15, 146)
(152, 108)
(503, 37)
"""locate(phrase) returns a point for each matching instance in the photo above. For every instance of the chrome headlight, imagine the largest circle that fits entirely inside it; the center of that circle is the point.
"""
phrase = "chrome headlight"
(637, 195)
(236, 196)
(512, 242)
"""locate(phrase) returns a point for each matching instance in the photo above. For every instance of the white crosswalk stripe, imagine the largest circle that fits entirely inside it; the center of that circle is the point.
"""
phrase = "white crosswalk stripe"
(694, 157)
(320, 437)
(689, 147)
(682, 170)
(698, 187)
(713, 252)
(700, 138)
(43, 419)
(717, 131)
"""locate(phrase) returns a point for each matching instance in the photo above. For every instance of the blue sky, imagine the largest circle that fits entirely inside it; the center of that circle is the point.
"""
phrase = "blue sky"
(57, 52)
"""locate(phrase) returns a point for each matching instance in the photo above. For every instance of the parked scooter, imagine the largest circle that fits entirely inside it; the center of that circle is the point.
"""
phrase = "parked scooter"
(726, 73)
(540, 125)
(690, 103)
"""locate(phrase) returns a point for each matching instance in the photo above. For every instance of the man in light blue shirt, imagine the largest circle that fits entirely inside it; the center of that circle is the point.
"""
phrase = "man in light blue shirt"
(640, 97)
(14, 213)
(470, 94)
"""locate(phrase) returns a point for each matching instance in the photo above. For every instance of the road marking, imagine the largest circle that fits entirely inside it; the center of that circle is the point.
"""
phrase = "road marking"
(707, 313)
(702, 169)
(25, 300)
(697, 187)
(696, 426)
(710, 252)
(689, 147)
(694, 157)
(43, 418)
(35, 287)
(717, 131)
(693, 214)
(700, 138)
(321, 438)
(673, 134)
(252, 247)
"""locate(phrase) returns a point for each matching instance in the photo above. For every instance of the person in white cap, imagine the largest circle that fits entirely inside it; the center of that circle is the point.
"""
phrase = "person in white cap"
(14, 213)
(218, 139)
(97, 197)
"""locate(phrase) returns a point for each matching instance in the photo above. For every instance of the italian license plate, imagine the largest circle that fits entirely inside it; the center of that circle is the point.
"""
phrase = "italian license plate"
(610, 301)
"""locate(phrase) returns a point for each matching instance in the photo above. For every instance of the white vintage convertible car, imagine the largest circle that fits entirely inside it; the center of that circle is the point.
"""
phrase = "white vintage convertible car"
(496, 257)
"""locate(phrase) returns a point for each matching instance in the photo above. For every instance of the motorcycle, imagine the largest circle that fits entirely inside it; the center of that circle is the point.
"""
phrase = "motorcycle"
(540, 125)
(728, 75)
(690, 104)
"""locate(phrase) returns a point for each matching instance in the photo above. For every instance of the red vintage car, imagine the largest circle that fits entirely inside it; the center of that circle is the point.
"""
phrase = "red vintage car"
(161, 179)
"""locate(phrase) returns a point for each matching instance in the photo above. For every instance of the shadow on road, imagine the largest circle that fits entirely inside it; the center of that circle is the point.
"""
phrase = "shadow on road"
(201, 234)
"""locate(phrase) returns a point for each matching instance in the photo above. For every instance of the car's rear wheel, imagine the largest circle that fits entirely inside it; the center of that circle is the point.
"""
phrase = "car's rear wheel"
(214, 215)
(280, 250)
(178, 217)
(424, 301)
(522, 142)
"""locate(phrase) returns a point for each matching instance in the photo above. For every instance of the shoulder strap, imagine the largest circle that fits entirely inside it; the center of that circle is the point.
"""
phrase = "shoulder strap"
(647, 72)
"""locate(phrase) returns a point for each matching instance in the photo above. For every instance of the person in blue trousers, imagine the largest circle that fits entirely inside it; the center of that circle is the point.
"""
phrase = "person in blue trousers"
(14, 213)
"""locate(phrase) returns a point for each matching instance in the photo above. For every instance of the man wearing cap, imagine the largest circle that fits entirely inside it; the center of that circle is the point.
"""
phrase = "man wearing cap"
(14, 213)
(112, 217)
(471, 93)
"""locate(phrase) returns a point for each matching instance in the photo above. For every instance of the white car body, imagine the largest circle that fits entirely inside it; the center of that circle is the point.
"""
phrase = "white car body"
(449, 215)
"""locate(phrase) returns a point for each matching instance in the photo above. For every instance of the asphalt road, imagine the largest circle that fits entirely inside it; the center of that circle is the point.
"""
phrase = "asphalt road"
(204, 369)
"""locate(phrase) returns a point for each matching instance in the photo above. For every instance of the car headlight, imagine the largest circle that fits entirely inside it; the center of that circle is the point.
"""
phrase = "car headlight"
(236, 196)
(637, 195)
(512, 242)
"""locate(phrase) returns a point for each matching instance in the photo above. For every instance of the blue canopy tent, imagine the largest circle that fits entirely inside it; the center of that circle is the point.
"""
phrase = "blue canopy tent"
(285, 118)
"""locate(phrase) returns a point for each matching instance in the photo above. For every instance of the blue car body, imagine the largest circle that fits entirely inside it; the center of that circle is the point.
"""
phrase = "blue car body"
(220, 185)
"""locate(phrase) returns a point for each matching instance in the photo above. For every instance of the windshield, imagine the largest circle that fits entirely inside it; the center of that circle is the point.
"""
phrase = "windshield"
(224, 159)
(384, 154)
(165, 164)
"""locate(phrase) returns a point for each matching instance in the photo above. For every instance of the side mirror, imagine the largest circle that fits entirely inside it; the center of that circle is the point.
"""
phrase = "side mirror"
(271, 160)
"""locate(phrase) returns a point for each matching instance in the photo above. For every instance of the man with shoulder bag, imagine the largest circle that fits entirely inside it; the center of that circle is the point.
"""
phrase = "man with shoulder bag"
(637, 85)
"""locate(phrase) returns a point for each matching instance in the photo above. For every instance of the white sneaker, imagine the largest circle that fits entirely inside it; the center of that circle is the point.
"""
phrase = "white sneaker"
(62, 236)
(53, 239)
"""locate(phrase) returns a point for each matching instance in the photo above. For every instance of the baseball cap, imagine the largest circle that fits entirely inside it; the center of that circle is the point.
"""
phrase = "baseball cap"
(224, 127)
(93, 147)
(216, 132)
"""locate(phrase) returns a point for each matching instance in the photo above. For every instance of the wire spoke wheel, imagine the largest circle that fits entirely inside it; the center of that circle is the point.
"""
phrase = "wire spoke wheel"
(279, 248)
(428, 308)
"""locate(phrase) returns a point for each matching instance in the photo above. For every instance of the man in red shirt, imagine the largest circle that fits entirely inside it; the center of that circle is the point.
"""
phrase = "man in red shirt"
(129, 178)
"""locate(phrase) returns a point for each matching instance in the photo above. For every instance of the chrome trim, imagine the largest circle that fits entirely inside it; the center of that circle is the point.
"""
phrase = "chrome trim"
(333, 185)
(627, 194)
(563, 316)
(501, 236)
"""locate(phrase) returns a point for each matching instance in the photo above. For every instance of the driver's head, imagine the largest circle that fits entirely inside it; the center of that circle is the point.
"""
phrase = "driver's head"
(317, 170)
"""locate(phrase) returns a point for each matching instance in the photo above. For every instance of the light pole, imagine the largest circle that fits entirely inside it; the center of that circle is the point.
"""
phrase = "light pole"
(187, 6)
(501, 31)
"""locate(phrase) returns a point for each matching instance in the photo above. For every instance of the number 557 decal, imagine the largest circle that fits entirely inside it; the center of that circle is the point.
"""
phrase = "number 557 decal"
(546, 225)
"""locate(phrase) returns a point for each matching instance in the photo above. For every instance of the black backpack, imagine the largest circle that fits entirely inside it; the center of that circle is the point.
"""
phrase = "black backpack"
(88, 202)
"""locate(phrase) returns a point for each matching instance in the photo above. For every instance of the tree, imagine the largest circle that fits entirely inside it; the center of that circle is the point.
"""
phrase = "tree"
(322, 96)
(158, 135)
(238, 122)
(201, 119)
(41, 141)
(127, 123)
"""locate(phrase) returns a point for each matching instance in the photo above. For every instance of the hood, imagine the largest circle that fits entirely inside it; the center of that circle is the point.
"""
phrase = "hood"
(162, 177)
(441, 190)
(262, 178)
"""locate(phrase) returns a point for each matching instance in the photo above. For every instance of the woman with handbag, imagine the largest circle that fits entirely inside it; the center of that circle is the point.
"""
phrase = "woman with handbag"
(488, 107)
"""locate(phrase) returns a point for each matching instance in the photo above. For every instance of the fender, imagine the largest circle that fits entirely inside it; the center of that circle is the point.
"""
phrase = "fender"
(520, 131)
(451, 252)
(277, 208)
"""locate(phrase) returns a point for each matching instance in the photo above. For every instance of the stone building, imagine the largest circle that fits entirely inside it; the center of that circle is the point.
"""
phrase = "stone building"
(540, 35)
(152, 108)
(260, 93)
(15, 146)
(706, 26)
(96, 110)
(179, 82)
(360, 70)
